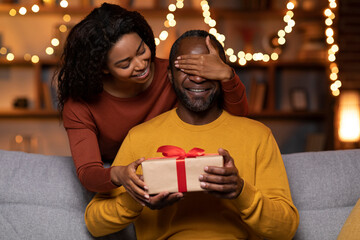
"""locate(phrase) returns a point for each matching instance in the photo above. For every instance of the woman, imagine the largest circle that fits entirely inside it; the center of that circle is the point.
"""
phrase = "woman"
(110, 81)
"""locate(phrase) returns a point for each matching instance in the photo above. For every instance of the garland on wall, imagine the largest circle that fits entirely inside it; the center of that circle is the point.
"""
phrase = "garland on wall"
(240, 57)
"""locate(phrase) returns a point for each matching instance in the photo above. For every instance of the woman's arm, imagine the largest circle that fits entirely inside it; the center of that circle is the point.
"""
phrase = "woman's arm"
(85, 149)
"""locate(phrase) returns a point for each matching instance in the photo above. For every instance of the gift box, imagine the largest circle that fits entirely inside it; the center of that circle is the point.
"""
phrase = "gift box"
(178, 171)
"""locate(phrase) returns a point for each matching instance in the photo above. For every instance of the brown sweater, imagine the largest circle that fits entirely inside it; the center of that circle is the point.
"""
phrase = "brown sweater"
(96, 130)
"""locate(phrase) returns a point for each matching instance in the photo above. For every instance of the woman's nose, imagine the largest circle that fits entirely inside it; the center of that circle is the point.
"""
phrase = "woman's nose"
(140, 64)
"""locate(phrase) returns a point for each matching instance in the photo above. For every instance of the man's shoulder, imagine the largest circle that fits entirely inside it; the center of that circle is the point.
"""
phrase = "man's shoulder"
(248, 124)
(244, 120)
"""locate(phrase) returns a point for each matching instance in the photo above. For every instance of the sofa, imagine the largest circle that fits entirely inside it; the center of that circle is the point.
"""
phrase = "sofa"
(41, 197)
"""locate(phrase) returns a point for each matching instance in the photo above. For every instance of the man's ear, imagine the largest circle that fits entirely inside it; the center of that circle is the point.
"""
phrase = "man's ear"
(105, 71)
(170, 75)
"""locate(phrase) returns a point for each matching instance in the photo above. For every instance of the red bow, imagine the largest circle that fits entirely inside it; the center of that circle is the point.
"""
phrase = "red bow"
(180, 154)
(173, 151)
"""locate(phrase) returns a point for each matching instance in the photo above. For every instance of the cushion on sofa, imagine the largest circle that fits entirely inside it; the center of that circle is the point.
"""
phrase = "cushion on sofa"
(325, 187)
(41, 198)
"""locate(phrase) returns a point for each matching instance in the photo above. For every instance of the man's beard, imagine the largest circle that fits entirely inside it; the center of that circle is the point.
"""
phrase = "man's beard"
(200, 104)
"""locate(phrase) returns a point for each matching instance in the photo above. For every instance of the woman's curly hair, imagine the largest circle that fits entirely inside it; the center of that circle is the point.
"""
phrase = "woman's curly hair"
(88, 43)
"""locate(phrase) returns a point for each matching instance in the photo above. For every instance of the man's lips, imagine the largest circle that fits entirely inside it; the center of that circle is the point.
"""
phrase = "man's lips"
(197, 90)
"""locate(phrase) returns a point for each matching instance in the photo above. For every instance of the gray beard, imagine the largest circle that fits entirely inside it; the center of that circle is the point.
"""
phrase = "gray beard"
(198, 105)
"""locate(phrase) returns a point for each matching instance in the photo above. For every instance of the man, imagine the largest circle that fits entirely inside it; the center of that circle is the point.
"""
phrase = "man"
(249, 197)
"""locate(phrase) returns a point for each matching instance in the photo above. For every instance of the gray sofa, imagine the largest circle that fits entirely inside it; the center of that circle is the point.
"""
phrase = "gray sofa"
(41, 197)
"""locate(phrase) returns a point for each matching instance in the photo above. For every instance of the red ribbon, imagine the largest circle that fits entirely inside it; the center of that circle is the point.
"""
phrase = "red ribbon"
(180, 154)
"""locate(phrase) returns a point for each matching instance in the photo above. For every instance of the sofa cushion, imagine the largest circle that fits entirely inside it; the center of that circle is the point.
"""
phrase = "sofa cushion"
(41, 198)
(324, 187)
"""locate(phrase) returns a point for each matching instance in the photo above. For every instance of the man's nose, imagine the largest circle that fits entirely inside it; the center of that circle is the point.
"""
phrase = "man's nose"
(197, 79)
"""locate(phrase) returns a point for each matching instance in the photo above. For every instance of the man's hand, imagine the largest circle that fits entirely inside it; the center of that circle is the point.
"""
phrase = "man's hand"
(223, 182)
(126, 176)
(208, 66)
(163, 199)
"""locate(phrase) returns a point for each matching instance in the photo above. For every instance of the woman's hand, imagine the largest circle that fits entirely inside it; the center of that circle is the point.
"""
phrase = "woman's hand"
(208, 66)
(126, 176)
(223, 182)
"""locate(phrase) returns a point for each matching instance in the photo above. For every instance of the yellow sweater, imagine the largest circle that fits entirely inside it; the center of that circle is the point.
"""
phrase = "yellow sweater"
(264, 209)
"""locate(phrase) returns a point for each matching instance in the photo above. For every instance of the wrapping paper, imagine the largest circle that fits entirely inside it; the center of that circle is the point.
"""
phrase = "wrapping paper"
(178, 174)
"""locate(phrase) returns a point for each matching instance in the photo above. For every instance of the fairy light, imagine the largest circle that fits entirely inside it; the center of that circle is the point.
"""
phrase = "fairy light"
(64, 4)
(10, 57)
(333, 48)
(35, 8)
(12, 12)
(49, 51)
(55, 42)
(67, 18)
(63, 28)
(22, 11)
(35, 59)
(27, 57)
(3, 50)
(243, 57)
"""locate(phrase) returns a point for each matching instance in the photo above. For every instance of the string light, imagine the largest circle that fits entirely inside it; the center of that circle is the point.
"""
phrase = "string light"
(22, 11)
(241, 57)
(35, 8)
(333, 48)
(170, 21)
(54, 42)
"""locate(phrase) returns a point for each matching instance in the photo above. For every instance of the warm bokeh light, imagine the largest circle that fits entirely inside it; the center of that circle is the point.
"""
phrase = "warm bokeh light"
(241, 54)
(157, 41)
(12, 12)
(171, 22)
(55, 42)
(290, 5)
(229, 51)
(10, 57)
(333, 76)
(248, 56)
(19, 139)
(35, 59)
(179, 4)
(64, 4)
(22, 11)
(274, 56)
(232, 58)
(349, 116)
(35, 8)
(3, 50)
(67, 18)
(170, 16)
(163, 35)
(63, 28)
(27, 56)
(329, 32)
(172, 7)
(266, 58)
(49, 51)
